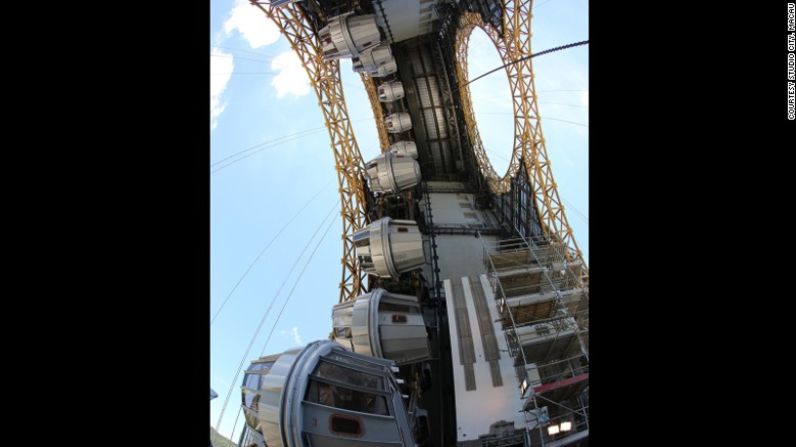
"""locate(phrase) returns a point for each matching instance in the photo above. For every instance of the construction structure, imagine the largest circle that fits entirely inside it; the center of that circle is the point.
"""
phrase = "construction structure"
(465, 289)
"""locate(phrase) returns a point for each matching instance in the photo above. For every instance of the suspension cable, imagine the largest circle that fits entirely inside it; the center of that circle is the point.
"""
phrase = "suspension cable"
(232, 433)
(262, 252)
(265, 315)
(294, 286)
(267, 145)
(562, 47)
(546, 118)
(240, 410)
(270, 143)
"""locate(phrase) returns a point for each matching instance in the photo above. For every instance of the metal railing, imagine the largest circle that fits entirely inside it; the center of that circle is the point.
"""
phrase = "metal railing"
(521, 377)
(546, 270)
(556, 370)
(552, 258)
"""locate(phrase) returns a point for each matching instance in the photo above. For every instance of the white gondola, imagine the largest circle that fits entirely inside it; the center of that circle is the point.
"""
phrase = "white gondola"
(391, 173)
(385, 70)
(390, 247)
(323, 395)
(377, 62)
(391, 91)
(405, 148)
(398, 122)
(349, 35)
(382, 324)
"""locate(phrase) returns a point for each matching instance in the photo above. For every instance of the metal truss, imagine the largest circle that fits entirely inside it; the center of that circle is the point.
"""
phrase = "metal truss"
(325, 79)
(467, 22)
(513, 44)
(378, 113)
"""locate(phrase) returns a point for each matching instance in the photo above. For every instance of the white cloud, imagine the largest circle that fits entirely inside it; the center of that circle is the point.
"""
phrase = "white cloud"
(294, 332)
(256, 29)
(584, 98)
(296, 336)
(291, 77)
(252, 24)
(221, 66)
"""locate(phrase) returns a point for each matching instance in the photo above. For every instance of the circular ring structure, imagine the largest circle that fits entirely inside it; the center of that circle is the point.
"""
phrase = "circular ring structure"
(512, 42)
(514, 46)
(467, 23)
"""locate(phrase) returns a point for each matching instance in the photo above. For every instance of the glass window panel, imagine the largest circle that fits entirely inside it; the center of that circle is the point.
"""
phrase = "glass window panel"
(354, 361)
(344, 398)
(313, 394)
(251, 400)
(394, 307)
(333, 372)
(251, 421)
(263, 365)
(252, 381)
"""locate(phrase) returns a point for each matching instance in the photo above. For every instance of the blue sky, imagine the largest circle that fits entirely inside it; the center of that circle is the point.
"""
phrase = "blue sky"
(259, 93)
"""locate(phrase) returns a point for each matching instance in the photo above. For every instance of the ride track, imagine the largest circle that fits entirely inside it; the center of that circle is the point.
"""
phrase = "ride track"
(514, 46)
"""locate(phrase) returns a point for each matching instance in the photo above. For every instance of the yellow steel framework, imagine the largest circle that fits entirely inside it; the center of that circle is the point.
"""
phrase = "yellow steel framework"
(378, 114)
(325, 79)
(529, 144)
(467, 22)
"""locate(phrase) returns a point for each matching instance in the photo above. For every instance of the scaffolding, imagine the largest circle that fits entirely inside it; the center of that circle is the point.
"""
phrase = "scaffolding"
(543, 302)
